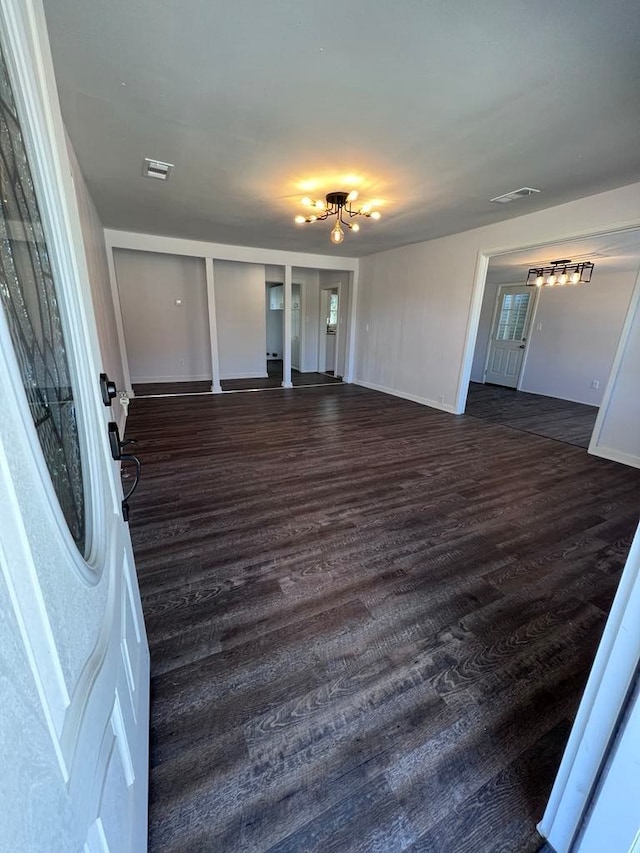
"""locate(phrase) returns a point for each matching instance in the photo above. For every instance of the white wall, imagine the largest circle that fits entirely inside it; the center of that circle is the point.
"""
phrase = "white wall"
(308, 280)
(164, 342)
(94, 246)
(414, 303)
(577, 342)
(617, 431)
(240, 314)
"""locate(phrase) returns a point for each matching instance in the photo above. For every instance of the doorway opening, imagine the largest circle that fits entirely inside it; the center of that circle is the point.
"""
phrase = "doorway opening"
(543, 355)
(329, 331)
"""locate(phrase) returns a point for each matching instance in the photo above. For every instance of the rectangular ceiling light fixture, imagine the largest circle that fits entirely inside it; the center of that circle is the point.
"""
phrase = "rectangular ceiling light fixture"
(156, 169)
(523, 192)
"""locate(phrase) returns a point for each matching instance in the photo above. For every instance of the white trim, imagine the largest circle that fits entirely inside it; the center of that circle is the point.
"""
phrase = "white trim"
(286, 327)
(616, 456)
(213, 326)
(599, 711)
(414, 398)
(594, 447)
(477, 295)
(117, 310)
(351, 333)
(223, 252)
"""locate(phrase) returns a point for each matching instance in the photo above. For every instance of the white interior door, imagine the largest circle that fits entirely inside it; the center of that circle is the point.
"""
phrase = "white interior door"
(509, 335)
(74, 666)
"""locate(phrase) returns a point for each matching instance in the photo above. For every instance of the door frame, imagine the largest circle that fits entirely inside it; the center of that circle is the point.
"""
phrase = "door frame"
(532, 317)
(301, 363)
(322, 340)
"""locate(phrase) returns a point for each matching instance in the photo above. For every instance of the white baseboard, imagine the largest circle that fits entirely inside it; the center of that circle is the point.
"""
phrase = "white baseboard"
(254, 375)
(616, 456)
(141, 380)
(424, 401)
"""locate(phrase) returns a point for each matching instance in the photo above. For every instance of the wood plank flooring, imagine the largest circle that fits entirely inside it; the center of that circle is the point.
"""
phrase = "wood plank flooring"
(370, 622)
(273, 380)
(150, 389)
(561, 420)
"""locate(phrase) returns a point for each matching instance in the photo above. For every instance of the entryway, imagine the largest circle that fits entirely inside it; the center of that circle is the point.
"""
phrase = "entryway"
(543, 355)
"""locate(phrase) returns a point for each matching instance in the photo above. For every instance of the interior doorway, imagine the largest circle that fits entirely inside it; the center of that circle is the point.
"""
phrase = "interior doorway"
(274, 320)
(543, 355)
(329, 331)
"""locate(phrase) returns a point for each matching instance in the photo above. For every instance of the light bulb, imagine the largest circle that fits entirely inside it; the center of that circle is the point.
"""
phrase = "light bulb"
(539, 281)
(564, 278)
(365, 208)
(300, 219)
(307, 201)
(319, 204)
(376, 214)
(312, 218)
(353, 195)
(355, 227)
(551, 280)
(337, 234)
(575, 278)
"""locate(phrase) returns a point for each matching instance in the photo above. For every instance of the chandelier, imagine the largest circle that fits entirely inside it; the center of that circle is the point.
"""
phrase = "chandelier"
(560, 273)
(340, 205)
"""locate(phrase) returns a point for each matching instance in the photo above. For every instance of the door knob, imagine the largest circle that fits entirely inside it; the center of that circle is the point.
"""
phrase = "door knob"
(107, 389)
(117, 447)
(521, 346)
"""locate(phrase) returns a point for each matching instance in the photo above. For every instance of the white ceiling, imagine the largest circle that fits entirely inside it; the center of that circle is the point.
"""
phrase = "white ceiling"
(433, 106)
(619, 252)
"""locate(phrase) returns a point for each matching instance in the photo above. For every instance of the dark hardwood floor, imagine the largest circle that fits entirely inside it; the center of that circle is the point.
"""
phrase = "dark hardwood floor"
(274, 380)
(370, 622)
(150, 389)
(561, 420)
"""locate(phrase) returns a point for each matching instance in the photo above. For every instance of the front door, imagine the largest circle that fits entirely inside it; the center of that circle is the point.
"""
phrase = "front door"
(509, 335)
(74, 666)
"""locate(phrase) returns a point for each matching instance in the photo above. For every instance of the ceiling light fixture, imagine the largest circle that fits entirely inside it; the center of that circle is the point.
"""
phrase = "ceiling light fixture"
(338, 204)
(560, 273)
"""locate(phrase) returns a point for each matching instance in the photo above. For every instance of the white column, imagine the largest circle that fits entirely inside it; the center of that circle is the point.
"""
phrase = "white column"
(213, 327)
(351, 334)
(286, 355)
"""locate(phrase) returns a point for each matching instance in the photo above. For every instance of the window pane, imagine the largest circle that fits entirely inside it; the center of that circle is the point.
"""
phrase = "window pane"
(513, 315)
(28, 296)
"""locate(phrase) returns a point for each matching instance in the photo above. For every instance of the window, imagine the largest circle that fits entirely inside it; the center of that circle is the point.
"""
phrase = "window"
(28, 297)
(333, 310)
(513, 316)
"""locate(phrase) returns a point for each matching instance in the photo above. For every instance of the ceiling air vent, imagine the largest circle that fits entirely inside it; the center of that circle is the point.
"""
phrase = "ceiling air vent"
(156, 169)
(523, 192)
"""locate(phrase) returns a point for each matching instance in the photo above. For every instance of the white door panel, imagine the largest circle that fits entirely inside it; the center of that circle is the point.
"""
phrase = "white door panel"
(509, 332)
(74, 660)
